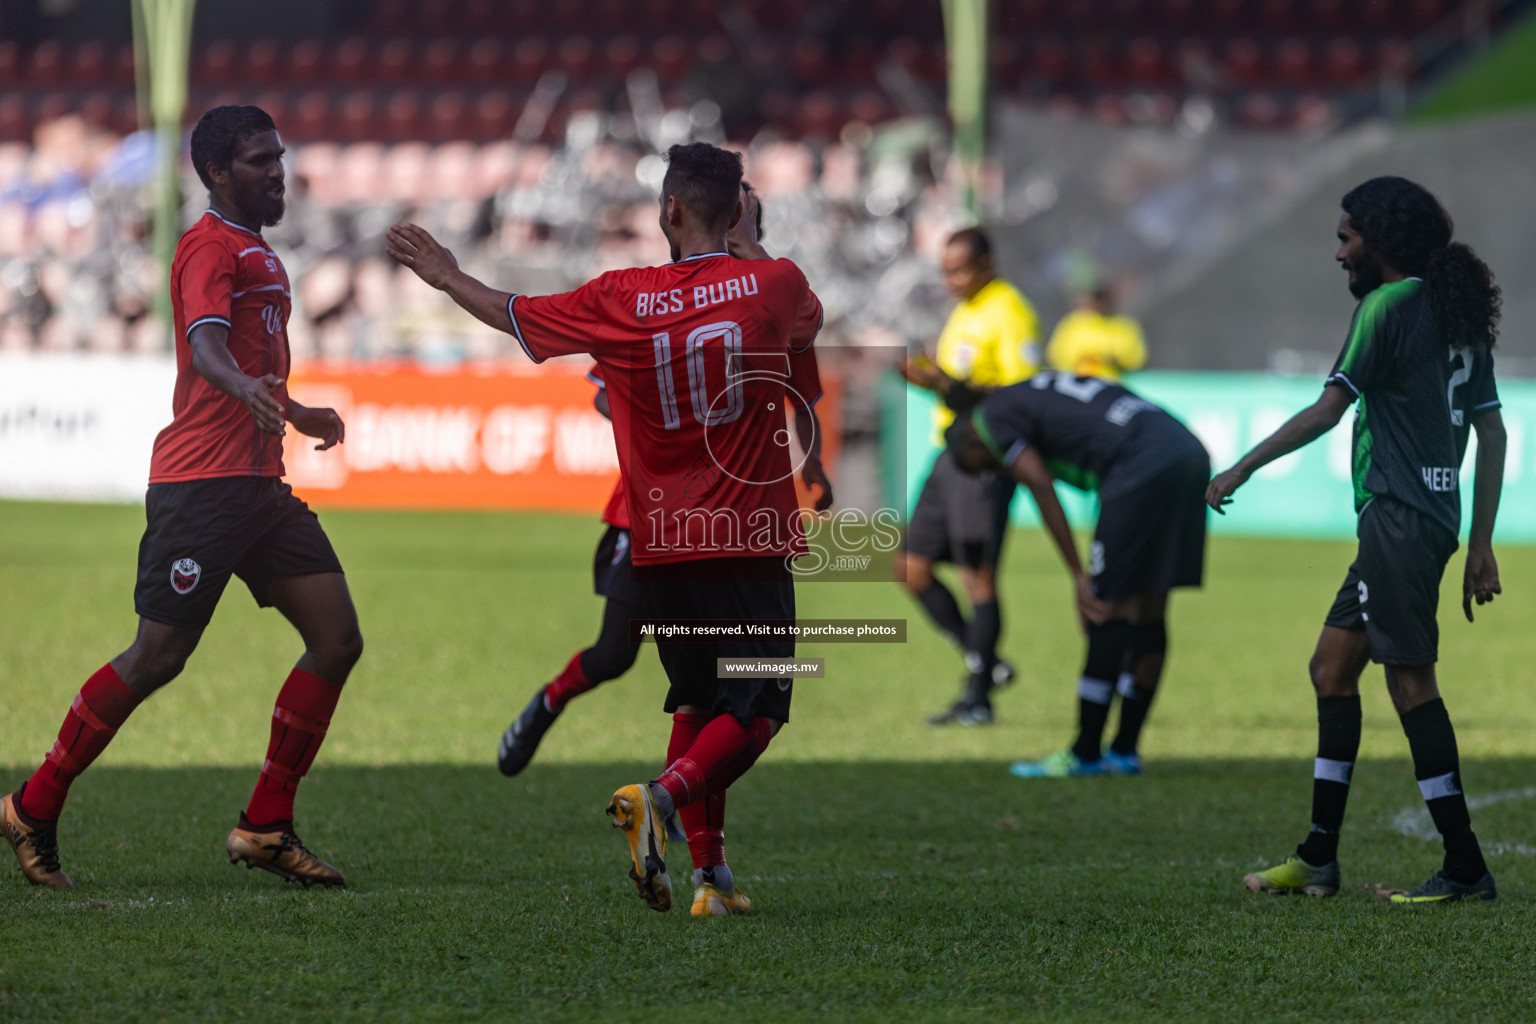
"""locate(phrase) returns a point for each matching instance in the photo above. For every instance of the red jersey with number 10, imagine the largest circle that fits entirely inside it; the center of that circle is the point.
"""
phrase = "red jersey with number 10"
(700, 358)
(224, 274)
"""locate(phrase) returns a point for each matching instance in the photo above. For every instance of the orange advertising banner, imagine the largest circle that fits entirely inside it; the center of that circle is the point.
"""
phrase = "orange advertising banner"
(461, 439)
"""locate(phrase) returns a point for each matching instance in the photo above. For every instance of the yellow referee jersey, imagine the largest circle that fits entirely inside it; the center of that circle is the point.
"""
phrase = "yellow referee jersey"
(1090, 344)
(991, 339)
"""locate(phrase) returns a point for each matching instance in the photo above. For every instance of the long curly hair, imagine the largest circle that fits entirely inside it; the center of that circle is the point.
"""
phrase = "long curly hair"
(1406, 226)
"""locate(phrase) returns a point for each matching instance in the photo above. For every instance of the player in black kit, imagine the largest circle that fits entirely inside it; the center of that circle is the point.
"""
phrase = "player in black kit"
(1149, 472)
(1419, 360)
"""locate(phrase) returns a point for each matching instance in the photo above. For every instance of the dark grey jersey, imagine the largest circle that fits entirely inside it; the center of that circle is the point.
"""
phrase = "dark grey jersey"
(1417, 398)
(1092, 434)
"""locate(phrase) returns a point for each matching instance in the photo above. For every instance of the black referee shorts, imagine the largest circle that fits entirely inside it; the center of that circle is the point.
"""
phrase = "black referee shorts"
(729, 589)
(201, 532)
(1392, 591)
(960, 518)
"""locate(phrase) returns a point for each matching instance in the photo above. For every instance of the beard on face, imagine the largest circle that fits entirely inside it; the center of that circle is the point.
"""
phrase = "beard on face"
(1364, 274)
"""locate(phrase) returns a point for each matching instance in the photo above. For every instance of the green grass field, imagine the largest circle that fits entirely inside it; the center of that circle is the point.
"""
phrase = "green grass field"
(900, 873)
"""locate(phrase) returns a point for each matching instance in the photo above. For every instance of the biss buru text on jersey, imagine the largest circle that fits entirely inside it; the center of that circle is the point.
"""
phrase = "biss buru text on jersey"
(704, 296)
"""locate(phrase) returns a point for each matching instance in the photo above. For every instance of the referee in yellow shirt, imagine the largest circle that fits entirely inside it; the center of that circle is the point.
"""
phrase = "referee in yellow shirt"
(989, 341)
(1094, 341)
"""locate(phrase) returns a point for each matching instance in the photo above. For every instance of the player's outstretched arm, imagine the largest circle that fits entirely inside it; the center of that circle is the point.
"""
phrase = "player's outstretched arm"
(1030, 470)
(1481, 581)
(1297, 432)
(323, 424)
(411, 246)
(212, 361)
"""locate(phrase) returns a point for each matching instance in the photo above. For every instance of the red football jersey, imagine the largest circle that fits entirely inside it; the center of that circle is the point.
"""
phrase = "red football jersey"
(699, 357)
(616, 512)
(224, 273)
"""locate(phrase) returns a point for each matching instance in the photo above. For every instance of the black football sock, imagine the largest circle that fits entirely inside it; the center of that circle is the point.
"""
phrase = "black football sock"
(1437, 766)
(1149, 649)
(942, 608)
(1338, 741)
(981, 638)
(1107, 645)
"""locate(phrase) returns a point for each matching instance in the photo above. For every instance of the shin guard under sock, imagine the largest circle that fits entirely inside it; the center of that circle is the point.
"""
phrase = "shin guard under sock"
(99, 710)
(1338, 741)
(723, 752)
(1437, 766)
(942, 608)
(1107, 645)
(300, 718)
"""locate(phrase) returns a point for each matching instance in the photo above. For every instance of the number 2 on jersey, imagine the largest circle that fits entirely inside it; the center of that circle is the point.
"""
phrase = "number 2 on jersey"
(1459, 377)
(728, 333)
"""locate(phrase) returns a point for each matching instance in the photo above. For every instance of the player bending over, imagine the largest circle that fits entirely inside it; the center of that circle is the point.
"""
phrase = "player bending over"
(699, 356)
(1149, 472)
(1419, 358)
(217, 506)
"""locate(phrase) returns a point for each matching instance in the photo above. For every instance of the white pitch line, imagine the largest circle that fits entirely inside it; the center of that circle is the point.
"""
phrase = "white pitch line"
(1416, 823)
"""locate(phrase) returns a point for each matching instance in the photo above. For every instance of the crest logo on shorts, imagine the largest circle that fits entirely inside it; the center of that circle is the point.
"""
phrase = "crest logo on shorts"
(184, 575)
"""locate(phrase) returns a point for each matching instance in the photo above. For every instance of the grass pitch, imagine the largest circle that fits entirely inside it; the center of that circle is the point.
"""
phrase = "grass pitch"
(899, 872)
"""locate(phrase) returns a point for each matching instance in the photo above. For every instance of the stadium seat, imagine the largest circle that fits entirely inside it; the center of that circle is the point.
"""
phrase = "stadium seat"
(669, 57)
(1425, 14)
(123, 65)
(403, 115)
(621, 55)
(349, 62)
(10, 62)
(484, 62)
(1326, 15)
(1293, 62)
(88, 64)
(449, 116)
(493, 167)
(358, 173)
(530, 59)
(440, 61)
(316, 163)
(1051, 62)
(808, 61)
(394, 63)
(394, 15)
(276, 105)
(1345, 63)
(307, 62)
(15, 123)
(575, 57)
(312, 115)
(495, 115)
(47, 64)
(1243, 62)
(450, 168)
(1397, 57)
(1314, 114)
(125, 115)
(1259, 110)
(261, 68)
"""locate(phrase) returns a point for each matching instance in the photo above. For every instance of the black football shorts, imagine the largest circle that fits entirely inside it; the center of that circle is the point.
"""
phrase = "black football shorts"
(613, 575)
(1152, 537)
(736, 589)
(1392, 591)
(960, 518)
(200, 532)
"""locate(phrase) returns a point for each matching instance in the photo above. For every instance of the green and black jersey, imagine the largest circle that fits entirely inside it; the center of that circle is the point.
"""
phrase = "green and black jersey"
(1092, 434)
(1418, 397)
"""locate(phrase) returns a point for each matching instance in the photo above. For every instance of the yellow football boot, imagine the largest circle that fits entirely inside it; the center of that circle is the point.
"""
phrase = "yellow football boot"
(1296, 875)
(633, 811)
(708, 901)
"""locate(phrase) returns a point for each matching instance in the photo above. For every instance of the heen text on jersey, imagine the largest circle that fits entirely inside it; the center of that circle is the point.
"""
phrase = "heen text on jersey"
(1441, 478)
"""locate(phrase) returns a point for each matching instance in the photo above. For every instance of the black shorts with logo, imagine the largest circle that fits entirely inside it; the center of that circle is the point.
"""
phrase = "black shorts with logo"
(960, 518)
(724, 589)
(200, 532)
(1392, 591)
(1151, 537)
(613, 575)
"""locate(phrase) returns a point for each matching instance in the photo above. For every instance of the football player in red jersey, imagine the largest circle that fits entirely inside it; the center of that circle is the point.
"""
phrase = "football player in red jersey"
(217, 506)
(699, 356)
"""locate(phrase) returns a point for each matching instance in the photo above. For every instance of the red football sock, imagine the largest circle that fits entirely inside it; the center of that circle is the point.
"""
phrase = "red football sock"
(571, 682)
(100, 708)
(723, 752)
(299, 721)
(704, 822)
